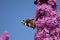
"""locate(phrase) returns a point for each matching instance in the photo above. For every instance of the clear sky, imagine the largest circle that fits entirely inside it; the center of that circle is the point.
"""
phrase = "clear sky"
(12, 12)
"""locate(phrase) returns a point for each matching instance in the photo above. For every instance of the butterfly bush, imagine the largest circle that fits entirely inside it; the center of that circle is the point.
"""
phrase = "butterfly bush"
(47, 20)
(4, 36)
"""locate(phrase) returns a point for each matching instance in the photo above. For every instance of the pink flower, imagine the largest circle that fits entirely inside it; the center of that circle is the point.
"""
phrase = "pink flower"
(1, 38)
(5, 35)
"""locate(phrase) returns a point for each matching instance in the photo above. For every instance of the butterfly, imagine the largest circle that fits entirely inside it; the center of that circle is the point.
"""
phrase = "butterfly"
(30, 22)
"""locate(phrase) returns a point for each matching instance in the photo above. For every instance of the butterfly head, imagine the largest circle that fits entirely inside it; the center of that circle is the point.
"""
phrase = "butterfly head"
(24, 22)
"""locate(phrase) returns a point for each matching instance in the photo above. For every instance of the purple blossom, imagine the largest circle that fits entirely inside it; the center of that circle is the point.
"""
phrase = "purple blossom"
(47, 17)
(5, 36)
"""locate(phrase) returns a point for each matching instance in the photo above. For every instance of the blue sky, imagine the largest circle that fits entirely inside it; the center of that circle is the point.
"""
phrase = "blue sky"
(12, 12)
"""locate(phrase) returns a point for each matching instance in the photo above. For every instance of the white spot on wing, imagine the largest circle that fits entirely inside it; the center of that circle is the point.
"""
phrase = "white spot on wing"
(25, 24)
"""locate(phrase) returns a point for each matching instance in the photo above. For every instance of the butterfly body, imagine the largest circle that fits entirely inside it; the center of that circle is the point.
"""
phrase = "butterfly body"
(30, 22)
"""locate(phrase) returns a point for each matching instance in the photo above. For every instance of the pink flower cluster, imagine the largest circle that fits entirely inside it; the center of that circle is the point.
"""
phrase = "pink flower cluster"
(4, 36)
(47, 20)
